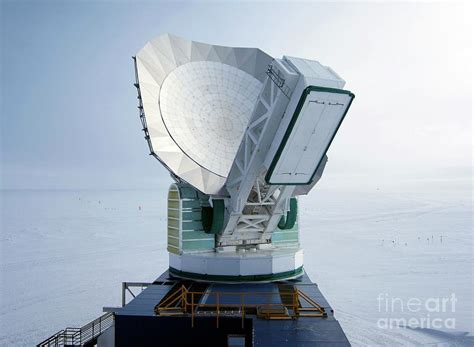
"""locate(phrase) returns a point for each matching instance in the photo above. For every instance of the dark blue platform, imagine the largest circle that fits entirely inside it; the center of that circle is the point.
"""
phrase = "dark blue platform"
(137, 324)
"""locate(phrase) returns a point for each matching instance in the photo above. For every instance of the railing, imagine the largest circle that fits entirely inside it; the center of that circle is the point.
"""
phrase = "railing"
(141, 113)
(276, 77)
(126, 287)
(182, 302)
(80, 336)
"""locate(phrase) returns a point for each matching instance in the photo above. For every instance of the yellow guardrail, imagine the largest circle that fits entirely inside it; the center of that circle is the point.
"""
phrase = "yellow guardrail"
(185, 302)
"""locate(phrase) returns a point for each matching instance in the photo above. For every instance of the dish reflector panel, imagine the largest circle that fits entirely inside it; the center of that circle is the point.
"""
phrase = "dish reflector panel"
(197, 99)
(214, 102)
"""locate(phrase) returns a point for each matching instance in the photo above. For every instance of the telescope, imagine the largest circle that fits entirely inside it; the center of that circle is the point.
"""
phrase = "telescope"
(242, 134)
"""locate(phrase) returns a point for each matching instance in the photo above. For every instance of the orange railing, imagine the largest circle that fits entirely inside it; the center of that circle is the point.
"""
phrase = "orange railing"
(293, 304)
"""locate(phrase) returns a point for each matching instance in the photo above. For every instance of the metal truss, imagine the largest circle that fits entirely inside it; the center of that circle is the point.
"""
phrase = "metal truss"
(254, 205)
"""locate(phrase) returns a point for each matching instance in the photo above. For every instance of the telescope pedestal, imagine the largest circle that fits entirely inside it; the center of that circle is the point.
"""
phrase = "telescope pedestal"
(250, 266)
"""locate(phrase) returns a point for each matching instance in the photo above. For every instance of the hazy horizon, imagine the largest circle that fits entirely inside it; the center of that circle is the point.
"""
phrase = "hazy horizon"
(69, 118)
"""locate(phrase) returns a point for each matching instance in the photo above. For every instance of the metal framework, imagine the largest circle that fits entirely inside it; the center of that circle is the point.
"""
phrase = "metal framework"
(254, 206)
(80, 336)
(127, 288)
(295, 304)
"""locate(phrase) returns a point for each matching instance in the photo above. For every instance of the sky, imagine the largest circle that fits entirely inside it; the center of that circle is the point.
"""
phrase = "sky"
(69, 117)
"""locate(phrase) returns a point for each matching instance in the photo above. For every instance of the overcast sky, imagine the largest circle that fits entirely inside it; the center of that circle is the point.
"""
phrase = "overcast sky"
(69, 116)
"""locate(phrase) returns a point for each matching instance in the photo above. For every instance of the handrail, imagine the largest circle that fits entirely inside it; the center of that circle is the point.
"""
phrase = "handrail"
(172, 295)
(285, 310)
(80, 336)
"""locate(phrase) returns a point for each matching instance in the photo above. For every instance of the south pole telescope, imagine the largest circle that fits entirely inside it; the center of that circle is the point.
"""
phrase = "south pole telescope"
(242, 134)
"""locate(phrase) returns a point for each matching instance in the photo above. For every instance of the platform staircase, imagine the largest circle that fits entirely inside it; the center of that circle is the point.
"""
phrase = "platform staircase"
(85, 336)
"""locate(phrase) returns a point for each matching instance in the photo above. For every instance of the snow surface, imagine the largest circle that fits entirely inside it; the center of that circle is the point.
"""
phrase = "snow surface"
(64, 255)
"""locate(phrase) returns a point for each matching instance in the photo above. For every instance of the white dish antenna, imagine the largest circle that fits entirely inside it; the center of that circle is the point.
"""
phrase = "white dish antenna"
(198, 99)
